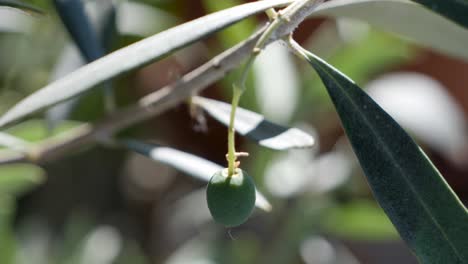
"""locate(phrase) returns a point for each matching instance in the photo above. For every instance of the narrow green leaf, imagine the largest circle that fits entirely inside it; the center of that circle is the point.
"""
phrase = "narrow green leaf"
(406, 19)
(190, 164)
(455, 10)
(132, 57)
(20, 5)
(255, 127)
(93, 35)
(423, 208)
(73, 15)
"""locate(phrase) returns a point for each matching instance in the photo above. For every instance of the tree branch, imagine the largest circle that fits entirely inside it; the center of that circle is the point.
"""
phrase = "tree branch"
(157, 102)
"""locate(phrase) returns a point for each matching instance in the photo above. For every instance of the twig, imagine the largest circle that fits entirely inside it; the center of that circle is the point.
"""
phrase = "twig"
(157, 102)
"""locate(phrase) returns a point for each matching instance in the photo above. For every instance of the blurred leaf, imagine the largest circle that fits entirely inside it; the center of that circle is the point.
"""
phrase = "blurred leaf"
(236, 33)
(12, 142)
(37, 130)
(15, 22)
(454, 10)
(359, 220)
(132, 57)
(84, 30)
(70, 248)
(376, 52)
(406, 19)
(255, 127)
(79, 26)
(192, 165)
(142, 20)
(131, 253)
(405, 96)
(229, 38)
(69, 60)
(7, 240)
(19, 178)
(423, 208)
(360, 60)
(276, 83)
(20, 5)
(108, 29)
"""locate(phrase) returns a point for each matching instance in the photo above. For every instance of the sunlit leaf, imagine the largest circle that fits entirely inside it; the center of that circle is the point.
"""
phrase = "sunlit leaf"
(418, 201)
(20, 5)
(406, 19)
(191, 165)
(255, 127)
(12, 142)
(132, 57)
(16, 22)
(19, 178)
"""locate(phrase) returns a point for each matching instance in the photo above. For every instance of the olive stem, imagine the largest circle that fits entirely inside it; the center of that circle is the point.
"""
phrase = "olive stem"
(239, 87)
(296, 49)
(237, 92)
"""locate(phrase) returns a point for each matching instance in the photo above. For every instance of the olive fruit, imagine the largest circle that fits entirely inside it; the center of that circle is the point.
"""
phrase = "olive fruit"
(230, 199)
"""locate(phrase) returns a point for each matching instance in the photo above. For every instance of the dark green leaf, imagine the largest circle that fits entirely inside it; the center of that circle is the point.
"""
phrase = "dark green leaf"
(192, 165)
(255, 127)
(93, 41)
(132, 57)
(79, 26)
(455, 10)
(423, 208)
(20, 5)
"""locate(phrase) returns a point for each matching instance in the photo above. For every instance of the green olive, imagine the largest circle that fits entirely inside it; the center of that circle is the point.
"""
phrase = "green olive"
(231, 199)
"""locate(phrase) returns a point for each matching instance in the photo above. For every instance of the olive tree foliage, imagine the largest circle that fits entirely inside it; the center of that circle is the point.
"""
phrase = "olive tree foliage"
(426, 212)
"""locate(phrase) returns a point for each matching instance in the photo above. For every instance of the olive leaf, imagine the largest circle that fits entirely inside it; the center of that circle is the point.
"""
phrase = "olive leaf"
(132, 57)
(455, 10)
(255, 127)
(12, 142)
(92, 35)
(20, 5)
(73, 15)
(416, 198)
(406, 19)
(190, 164)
